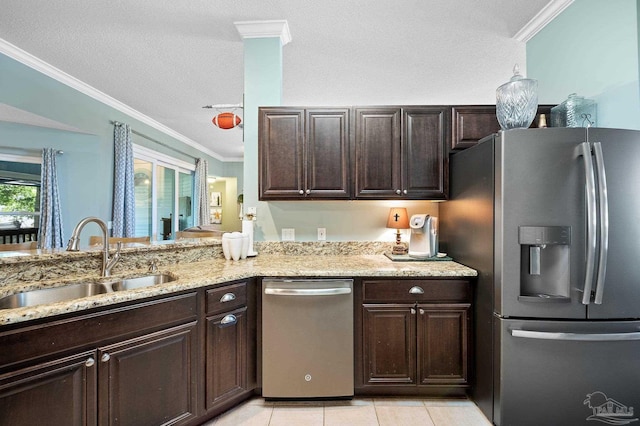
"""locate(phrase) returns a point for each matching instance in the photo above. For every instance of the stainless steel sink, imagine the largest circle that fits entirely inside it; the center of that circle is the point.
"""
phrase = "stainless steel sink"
(79, 290)
(139, 282)
(52, 295)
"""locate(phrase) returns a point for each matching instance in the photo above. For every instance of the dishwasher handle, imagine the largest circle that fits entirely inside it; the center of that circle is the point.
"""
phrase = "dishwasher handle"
(307, 291)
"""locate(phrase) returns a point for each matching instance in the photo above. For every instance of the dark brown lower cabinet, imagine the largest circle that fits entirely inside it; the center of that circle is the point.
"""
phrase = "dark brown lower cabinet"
(424, 345)
(226, 365)
(389, 344)
(443, 344)
(230, 345)
(148, 380)
(415, 348)
(127, 365)
(58, 392)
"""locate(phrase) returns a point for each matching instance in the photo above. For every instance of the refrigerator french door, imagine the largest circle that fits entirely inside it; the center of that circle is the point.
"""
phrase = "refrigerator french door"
(549, 219)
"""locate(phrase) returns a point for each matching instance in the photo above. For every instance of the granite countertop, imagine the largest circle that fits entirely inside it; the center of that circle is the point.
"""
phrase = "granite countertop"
(217, 270)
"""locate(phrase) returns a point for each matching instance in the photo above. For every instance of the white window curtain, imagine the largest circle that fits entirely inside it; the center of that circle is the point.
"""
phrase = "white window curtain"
(50, 232)
(123, 183)
(201, 193)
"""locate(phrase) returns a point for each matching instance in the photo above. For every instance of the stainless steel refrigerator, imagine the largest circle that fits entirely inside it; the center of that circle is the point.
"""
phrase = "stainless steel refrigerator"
(550, 218)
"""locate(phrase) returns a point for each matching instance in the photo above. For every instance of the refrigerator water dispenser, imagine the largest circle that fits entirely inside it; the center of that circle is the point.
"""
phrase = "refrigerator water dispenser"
(544, 263)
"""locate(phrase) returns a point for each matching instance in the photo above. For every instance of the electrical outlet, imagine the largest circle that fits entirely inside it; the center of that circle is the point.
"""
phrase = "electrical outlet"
(110, 224)
(322, 234)
(288, 234)
(251, 210)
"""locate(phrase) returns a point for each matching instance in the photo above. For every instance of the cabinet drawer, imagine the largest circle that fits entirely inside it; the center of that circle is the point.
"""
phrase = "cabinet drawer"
(226, 298)
(416, 290)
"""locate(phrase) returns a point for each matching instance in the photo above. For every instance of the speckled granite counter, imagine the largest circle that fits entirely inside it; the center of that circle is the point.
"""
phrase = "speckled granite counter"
(201, 264)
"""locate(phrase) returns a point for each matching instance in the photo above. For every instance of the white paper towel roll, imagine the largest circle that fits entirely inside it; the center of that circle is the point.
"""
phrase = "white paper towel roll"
(247, 228)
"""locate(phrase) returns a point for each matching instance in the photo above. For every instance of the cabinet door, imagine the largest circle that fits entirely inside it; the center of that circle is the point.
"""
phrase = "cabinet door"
(472, 123)
(60, 392)
(149, 380)
(327, 151)
(424, 157)
(378, 155)
(226, 352)
(389, 344)
(280, 152)
(443, 342)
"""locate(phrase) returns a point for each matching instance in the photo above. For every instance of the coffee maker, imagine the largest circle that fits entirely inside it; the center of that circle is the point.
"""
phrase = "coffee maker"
(424, 236)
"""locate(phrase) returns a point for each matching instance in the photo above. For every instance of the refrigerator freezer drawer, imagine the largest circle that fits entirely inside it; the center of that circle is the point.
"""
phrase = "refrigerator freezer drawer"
(567, 372)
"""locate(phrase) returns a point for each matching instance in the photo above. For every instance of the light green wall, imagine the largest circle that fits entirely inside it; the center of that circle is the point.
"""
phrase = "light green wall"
(591, 49)
(85, 170)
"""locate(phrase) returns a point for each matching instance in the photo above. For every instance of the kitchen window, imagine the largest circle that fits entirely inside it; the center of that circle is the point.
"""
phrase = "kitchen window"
(163, 193)
(19, 194)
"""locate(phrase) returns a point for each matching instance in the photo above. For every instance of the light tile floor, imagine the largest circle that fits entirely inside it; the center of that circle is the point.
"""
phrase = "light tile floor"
(357, 412)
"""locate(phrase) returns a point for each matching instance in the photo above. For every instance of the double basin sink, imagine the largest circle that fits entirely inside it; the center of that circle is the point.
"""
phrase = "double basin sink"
(80, 290)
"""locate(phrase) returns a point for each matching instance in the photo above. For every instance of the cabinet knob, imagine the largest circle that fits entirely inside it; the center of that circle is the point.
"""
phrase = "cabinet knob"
(404, 192)
(413, 311)
(89, 362)
(228, 320)
(105, 357)
(421, 311)
(308, 191)
(416, 290)
(301, 192)
(398, 192)
(228, 297)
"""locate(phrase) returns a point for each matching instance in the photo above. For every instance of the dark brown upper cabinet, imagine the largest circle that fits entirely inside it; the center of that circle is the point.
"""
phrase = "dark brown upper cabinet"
(304, 153)
(400, 152)
(474, 122)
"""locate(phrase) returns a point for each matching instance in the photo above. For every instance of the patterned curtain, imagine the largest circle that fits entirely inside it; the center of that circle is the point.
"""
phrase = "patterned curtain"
(50, 232)
(123, 184)
(201, 193)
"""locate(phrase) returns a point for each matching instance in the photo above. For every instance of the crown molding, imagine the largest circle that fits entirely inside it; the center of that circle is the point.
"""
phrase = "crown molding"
(49, 70)
(542, 18)
(262, 29)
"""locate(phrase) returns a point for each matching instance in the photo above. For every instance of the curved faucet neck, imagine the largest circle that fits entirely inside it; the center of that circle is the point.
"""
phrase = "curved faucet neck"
(74, 243)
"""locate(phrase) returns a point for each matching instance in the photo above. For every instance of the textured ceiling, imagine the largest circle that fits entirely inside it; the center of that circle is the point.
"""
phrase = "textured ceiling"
(167, 58)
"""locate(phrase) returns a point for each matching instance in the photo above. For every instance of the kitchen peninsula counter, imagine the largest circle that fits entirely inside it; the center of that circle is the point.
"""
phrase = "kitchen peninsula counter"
(191, 272)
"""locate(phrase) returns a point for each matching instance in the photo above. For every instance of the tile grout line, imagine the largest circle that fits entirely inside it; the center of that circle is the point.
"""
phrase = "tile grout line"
(429, 413)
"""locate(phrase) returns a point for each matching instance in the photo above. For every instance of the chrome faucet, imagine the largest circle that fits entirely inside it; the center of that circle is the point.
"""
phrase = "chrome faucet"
(107, 262)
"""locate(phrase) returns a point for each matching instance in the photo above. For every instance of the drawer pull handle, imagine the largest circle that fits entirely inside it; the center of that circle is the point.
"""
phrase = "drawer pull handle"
(228, 320)
(228, 297)
(105, 357)
(89, 362)
(416, 290)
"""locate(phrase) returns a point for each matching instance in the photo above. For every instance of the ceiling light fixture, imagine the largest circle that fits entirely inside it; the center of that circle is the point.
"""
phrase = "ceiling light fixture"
(226, 120)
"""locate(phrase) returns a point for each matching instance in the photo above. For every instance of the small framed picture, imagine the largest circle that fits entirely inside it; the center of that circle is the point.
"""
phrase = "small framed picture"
(216, 215)
(216, 199)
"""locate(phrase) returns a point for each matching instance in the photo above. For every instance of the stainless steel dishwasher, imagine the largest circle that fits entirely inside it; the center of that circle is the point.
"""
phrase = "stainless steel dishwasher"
(307, 338)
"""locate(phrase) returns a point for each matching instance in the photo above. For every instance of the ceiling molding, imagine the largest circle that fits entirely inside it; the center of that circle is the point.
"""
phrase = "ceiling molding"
(538, 22)
(49, 70)
(262, 29)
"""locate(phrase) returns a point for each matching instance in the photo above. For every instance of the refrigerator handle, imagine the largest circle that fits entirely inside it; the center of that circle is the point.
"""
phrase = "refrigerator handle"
(604, 222)
(583, 337)
(584, 150)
